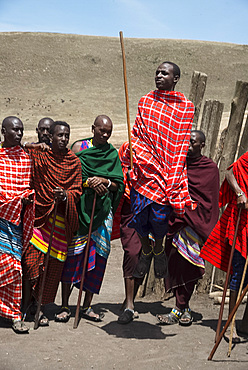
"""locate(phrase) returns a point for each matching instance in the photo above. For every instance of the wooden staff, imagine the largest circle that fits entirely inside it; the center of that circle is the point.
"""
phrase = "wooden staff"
(234, 316)
(36, 319)
(84, 264)
(227, 278)
(127, 99)
(227, 323)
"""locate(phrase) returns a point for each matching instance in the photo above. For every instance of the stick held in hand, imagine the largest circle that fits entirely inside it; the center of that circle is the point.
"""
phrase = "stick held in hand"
(36, 320)
(84, 264)
(127, 99)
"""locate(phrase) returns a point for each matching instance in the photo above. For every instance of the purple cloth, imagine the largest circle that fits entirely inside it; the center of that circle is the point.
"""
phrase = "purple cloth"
(130, 241)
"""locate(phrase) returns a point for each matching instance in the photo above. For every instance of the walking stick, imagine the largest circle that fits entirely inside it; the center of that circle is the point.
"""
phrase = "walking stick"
(233, 320)
(127, 99)
(36, 319)
(84, 264)
(228, 322)
(227, 278)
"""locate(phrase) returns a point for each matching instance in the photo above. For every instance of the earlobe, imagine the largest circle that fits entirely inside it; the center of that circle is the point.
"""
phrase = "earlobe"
(176, 79)
(3, 130)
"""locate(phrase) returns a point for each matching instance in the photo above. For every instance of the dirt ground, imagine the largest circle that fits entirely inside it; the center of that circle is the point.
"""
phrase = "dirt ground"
(142, 344)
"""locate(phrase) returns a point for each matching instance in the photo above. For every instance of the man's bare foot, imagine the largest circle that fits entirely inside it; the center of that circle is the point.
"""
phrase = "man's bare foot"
(88, 314)
(235, 338)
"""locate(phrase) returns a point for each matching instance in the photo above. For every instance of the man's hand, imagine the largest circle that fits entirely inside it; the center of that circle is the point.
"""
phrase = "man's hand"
(242, 201)
(27, 201)
(99, 184)
(59, 193)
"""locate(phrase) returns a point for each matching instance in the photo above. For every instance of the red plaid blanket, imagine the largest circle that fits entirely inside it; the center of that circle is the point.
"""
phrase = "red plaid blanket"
(217, 248)
(48, 171)
(15, 176)
(160, 141)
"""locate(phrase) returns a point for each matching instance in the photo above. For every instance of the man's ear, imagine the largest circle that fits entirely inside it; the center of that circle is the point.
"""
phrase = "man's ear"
(203, 144)
(92, 127)
(36, 130)
(176, 79)
(3, 130)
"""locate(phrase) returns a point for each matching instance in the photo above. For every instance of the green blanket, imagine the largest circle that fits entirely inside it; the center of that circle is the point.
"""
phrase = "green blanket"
(101, 161)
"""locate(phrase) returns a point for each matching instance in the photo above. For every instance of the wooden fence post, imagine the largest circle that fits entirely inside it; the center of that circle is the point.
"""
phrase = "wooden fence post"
(197, 90)
(210, 125)
(243, 147)
(234, 127)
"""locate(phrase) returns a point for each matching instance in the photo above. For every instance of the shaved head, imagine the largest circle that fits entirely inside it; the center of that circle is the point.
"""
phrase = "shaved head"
(102, 119)
(12, 131)
(8, 121)
(45, 120)
(102, 129)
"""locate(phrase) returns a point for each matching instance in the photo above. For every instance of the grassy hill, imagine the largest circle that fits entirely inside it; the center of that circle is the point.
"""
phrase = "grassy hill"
(75, 78)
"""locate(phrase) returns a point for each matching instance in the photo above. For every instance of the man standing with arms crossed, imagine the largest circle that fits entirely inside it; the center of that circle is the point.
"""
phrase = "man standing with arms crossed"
(160, 141)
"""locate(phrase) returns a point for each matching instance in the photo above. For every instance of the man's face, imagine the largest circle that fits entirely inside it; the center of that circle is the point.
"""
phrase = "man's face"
(195, 145)
(13, 133)
(102, 130)
(60, 138)
(164, 78)
(43, 132)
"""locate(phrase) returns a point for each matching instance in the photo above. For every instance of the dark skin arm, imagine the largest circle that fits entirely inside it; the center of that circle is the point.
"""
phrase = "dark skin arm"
(99, 184)
(76, 147)
(241, 200)
(42, 147)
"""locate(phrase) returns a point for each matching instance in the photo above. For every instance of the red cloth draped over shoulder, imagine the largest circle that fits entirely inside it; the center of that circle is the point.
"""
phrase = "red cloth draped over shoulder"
(203, 180)
(218, 246)
(50, 170)
(160, 141)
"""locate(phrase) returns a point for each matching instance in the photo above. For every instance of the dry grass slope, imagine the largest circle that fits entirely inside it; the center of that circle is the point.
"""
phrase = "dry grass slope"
(75, 78)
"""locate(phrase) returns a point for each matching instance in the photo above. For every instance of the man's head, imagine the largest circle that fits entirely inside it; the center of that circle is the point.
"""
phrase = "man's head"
(43, 130)
(102, 130)
(60, 135)
(167, 75)
(12, 131)
(197, 142)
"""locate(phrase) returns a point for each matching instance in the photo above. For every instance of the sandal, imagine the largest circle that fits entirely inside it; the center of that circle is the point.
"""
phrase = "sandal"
(160, 265)
(20, 327)
(143, 265)
(43, 320)
(126, 317)
(186, 318)
(66, 315)
(87, 313)
(170, 318)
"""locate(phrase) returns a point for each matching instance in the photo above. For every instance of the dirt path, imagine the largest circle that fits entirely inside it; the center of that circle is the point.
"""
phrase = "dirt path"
(141, 344)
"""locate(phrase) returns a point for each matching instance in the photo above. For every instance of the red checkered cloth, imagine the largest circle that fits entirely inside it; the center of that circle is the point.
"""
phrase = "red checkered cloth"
(10, 287)
(50, 170)
(15, 175)
(217, 248)
(160, 141)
